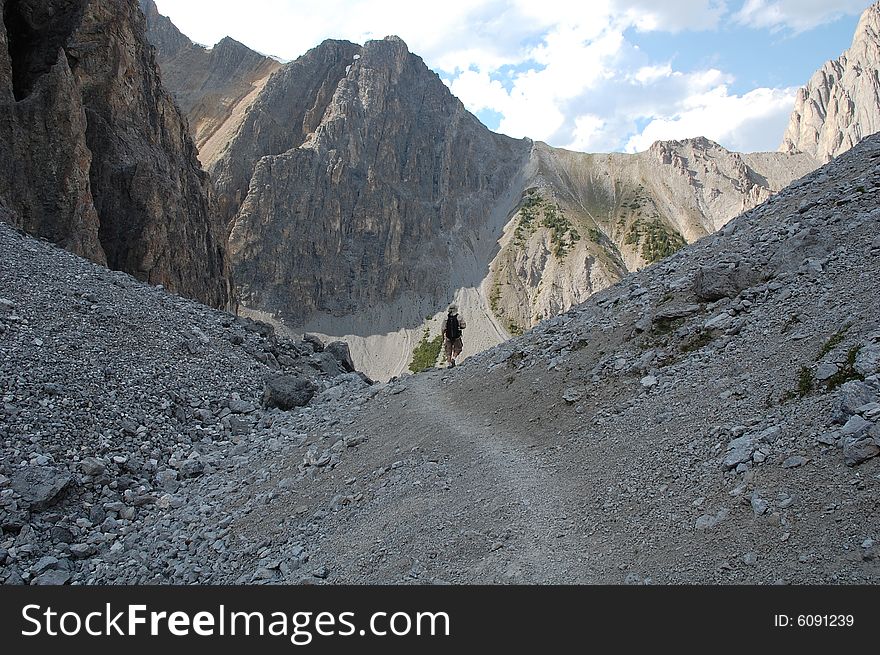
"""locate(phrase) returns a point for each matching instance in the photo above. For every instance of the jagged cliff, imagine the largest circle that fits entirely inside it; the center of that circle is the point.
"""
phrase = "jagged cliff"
(385, 197)
(94, 154)
(213, 87)
(840, 105)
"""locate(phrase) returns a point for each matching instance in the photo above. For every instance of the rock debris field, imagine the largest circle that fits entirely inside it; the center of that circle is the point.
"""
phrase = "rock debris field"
(714, 418)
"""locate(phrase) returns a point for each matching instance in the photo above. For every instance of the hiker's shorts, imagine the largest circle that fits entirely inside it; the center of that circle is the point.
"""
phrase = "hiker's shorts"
(452, 347)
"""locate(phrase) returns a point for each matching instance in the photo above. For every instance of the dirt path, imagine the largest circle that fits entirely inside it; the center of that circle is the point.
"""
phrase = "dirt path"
(544, 524)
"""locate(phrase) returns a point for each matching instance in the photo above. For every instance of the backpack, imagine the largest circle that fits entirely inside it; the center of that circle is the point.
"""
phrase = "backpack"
(453, 331)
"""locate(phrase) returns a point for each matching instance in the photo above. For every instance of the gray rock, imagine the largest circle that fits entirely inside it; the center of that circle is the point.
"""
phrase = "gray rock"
(855, 427)
(717, 281)
(750, 559)
(315, 341)
(826, 371)
(52, 578)
(239, 426)
(571, 395)
(341, 352)
(45, 564)
(770, 435)
(82, 551)
(648, 381)
(167, 479)
(241, 407)
(327, 363)
(92, 466)
(192, 468)
(672, 313)
(321, 572)
(287, 391)
(850, 396)
(707, 521)
(794, 461)
(828, 438)
(40, 486)
(738, 451)
(759, 505)
(868, 360)
(858, 451)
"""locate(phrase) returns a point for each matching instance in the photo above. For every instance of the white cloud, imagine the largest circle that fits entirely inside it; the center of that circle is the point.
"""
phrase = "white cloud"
(587, 133)
(555, 70)
(746, 123)
(795, 15)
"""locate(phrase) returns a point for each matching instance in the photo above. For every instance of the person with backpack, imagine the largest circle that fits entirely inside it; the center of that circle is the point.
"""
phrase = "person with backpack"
(452, 328)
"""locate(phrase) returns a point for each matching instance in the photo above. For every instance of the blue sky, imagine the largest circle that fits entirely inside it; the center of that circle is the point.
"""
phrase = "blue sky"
(597, 76)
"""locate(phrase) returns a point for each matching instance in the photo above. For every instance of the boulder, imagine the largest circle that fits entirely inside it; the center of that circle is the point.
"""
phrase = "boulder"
(850, 397)
(287, 391)
(724, 280)
(342, 354)
(315, 341)
(40, 486)
(860, 450)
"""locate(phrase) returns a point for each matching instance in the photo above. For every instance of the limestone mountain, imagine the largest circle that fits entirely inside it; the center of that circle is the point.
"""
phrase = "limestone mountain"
(213, 87)
(95, 156)
(711, 419)
(386, 193)
(362, 197)
(840, 105)
(585, 220)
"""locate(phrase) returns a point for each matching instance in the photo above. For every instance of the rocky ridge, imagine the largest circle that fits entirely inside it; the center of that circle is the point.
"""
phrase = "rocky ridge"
(94, 154)
(331, 171)
(840, 105)
(586, 220)
(213, 87)
(712, 418)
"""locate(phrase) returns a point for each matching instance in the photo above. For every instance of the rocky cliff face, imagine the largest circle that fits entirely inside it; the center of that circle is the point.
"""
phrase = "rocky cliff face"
(585, 220)
(95, 156)
(362, 197)
(385, 197)
(841, 103)
(213, 87)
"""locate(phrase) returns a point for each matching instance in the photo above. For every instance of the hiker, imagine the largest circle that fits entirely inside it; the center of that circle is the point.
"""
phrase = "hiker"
(452, 327)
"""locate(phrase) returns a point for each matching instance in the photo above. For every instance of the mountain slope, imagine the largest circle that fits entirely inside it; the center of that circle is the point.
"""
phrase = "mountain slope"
(701, 422)
(336, 229)
(213, 87)
(840, 105)
(94, 154)
(613, 213)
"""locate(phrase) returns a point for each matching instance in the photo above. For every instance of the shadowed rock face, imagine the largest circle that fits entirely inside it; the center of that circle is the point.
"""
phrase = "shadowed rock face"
(840, 105)
(95, 156)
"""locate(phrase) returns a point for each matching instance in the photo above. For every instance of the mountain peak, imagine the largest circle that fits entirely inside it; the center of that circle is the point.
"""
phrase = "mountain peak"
(838, 106)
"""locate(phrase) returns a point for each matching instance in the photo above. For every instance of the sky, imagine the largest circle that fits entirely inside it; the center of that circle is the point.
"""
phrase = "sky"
(587, 75)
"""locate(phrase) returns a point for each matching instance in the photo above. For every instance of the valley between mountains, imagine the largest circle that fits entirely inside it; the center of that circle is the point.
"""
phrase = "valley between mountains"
(216, 267)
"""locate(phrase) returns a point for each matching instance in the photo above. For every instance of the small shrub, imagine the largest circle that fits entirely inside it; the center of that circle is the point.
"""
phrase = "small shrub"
(426, 353)
(848, 372)
(805, 381)
(833, 341)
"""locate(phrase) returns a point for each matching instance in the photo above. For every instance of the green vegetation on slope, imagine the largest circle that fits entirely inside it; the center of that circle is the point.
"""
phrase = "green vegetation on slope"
(536, 212)
(658, 240)
(425, 354)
